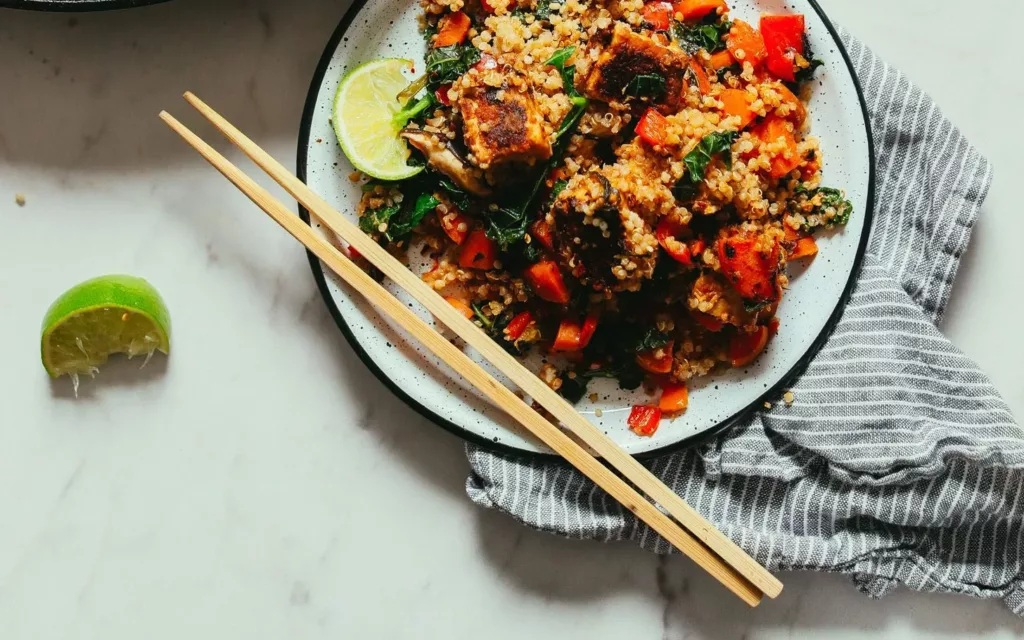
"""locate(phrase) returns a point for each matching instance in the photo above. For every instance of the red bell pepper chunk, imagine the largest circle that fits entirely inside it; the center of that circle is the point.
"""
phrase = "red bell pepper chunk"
(745, 347)
(643, 420)
(668, 233)
(653, 127)
(657, 360)
(455, 225)
(658, 15)
(486, 63)
(709, 322)
(488, 7)
(542, 232)
(569, 336)
(675, 397)
(478, 252)
(515, 329)
(784, 40)
(589, 328)
(547, 281)
(442, 94)
(452, 29)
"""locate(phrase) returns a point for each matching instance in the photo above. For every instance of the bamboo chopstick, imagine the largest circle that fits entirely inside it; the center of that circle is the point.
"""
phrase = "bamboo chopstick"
(734, 568)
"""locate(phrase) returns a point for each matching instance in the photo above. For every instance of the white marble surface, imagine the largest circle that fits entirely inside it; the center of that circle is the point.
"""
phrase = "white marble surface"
(261, 483)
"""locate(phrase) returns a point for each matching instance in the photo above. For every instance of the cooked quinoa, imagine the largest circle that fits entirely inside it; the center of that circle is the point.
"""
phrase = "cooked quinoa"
(618, 183)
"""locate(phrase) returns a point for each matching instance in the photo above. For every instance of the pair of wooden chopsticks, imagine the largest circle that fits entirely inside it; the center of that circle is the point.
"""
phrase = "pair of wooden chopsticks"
(697, 537)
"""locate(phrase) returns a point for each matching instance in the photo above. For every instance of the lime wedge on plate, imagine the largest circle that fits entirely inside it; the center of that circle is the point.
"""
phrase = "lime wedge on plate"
(100, 317)
(364, 119)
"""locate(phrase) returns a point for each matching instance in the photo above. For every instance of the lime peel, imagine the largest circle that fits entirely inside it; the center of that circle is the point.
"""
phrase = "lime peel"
(100, 317)
(368, 118)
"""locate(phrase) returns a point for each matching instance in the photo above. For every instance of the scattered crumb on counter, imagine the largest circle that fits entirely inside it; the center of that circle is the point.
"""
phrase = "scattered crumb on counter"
(598, 413)
(788, 397)
(19, 199)
(594, 397)
(767, 405)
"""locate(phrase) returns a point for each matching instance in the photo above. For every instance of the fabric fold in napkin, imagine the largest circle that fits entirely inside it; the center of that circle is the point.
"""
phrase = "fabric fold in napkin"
(897, 462)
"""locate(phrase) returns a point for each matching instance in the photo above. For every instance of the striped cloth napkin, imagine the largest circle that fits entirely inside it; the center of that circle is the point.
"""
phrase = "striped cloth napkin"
(898, 462)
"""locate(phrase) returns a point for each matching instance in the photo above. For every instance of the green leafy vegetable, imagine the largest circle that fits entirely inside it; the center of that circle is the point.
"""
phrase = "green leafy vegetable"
(697, 161)
(459, 197)
(806, 73)
(507, 225)
(373, 219)
(398, 220)
(579, 104)
(543, 10)
(650, 340)
(753, 307)
(707, 36)
(650, 85)
(448, 64)
(485, 322)
(559, 187)
(413, 109)
(830, 199)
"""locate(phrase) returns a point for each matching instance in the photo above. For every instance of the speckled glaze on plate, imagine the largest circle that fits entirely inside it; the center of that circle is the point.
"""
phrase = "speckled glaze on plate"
(811, 307)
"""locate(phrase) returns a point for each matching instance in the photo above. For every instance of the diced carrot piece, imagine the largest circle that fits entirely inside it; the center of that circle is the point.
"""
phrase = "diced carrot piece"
(644, 420)
(697, 9)
(746, 44)
(518, 325)
(541, 231)
(709, 322)
(736, 102)
(745, 347)
(478, 251)
(791, 235)
(752, 272)
(589, 328)
(675, 397)
(653, 127)
(784, 40)
(547, 281)
(721, 60)
(657, 360)
(452, 29)
(460, 305)
(797, 112)
(455, 225)
(658, 15)
(701, 76)
(805, 248)
(771, 131)
(697, 247)
(569, 336)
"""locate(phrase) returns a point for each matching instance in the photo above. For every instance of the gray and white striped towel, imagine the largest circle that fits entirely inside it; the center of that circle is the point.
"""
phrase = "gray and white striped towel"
(898, 462)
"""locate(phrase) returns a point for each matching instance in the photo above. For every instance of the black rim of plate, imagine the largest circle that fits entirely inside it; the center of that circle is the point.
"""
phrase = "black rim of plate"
(465, 434)
(76, 5)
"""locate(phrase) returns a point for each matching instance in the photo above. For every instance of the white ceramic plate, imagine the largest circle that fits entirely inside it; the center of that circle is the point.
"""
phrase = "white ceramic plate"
(388, 28)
